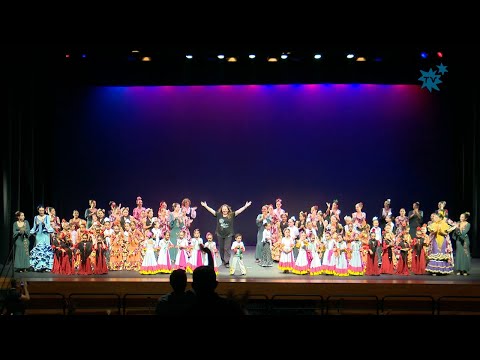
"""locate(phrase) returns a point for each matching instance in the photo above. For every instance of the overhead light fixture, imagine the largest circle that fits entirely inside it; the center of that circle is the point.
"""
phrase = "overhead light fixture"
(232, 59)
(251, 56)
(189, 57)
(221, 57)
(146, 58)
(135, 51)
(284, 56)
(361, 58)
(317, 56)
(350, 56)
(272, 59)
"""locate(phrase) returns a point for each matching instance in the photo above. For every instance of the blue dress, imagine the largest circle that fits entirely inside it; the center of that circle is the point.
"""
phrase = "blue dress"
(41, 256)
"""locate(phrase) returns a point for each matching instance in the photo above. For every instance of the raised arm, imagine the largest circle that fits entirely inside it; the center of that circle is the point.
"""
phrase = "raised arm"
(209, 209)
(242, 209)
(207, 251)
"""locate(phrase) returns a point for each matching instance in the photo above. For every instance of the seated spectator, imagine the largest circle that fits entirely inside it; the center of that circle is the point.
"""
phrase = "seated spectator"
(208, 302)
(15, 298)
(178, 301)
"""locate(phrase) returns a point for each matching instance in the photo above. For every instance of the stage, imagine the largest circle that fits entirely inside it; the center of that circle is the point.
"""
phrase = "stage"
(263, 285)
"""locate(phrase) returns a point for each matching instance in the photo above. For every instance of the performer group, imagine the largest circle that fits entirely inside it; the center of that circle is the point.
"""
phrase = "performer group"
(317, 243)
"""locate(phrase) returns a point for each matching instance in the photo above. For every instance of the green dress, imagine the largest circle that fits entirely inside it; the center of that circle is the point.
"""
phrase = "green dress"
(462, 252)
(22, 253)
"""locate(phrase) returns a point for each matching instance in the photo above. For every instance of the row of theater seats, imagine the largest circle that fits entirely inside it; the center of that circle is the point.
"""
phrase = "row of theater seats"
(258, 304)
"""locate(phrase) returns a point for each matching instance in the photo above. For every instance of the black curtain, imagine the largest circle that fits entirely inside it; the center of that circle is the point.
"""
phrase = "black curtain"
(29, 155)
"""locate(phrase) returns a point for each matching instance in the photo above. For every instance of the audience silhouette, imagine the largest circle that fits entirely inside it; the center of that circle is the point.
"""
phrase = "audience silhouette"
(178, 301)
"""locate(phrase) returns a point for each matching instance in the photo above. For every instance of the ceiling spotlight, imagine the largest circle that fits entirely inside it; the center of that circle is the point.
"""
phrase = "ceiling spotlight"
(135, 51)
(350, 56)
(440, 54)
(232, 59)
(251, 56)
(361, 58)
(146, 58)
(424, 55)
(189, 57)
(67, 56)
(221, 57)
(272, 59)
(284, 56)
(317, 56)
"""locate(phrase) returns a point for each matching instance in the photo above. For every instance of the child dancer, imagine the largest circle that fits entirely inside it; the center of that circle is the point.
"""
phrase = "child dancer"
(164, 262)
(210, 244)
(237, 255)
(315, 267)
(328, 261)
(100, 247)
(107, 233)
(287, 261)
(85, 248)
(372, 256)
(419, 259)
(156, 233)
(266, 259)
(116, 248)
(387, 250)
(301, 264)
(182, 253)
(196, 255)
(355, 265)
(403, 247)
(149, 264)
(341, 263)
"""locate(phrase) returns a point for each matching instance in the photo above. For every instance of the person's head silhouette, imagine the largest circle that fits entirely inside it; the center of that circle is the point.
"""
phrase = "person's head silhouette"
(178, 280)
(204, 280)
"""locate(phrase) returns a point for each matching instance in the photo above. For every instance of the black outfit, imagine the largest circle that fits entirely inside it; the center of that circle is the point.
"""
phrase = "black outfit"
(381, 219)
(175, 304)
(216, 305)
(415, 220)
(225, 233)
(13, 303)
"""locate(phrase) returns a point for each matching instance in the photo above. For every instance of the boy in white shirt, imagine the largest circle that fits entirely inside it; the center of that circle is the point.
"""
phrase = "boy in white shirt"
(237, 255)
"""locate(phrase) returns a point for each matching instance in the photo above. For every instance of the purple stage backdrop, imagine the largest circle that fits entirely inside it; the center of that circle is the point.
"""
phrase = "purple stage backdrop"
(306, 144)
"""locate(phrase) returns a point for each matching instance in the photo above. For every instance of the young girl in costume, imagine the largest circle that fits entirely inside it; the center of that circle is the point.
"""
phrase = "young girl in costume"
(149, 264)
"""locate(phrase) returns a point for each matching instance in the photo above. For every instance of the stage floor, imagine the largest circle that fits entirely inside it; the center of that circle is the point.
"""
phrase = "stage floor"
(257, 273)
(269, 285)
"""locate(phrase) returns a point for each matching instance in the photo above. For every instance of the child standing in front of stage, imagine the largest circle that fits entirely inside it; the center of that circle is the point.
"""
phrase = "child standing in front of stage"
(355, 265)
(156, 235)
(182, 253)
(237, 255)
(372, 267)
(341, 262)
(266, 260)
(329, 258)
(287, 261)
(196, 255)
(210, 244)
(164, 262)
(315, 267)
(301, 264)
(149, 264)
